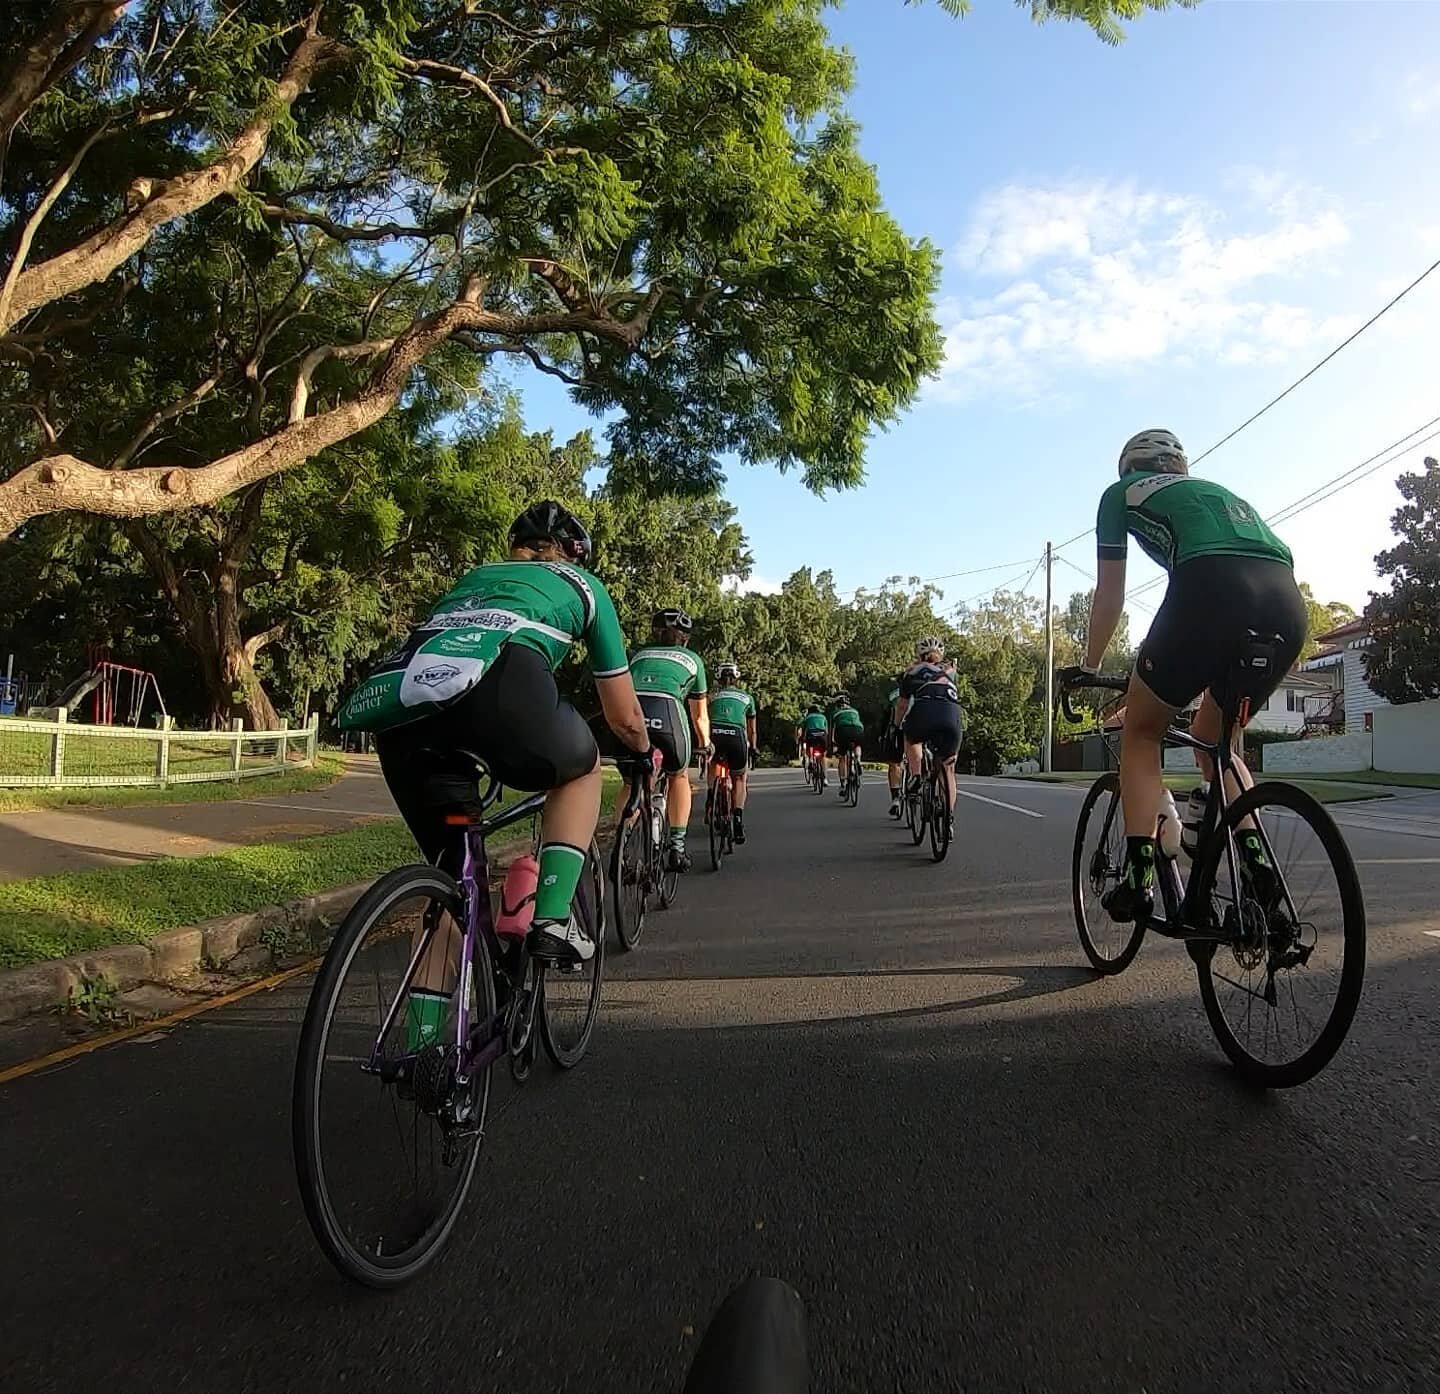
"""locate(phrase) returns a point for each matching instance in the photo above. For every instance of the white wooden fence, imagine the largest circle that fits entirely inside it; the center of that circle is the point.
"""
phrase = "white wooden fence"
(56, 753)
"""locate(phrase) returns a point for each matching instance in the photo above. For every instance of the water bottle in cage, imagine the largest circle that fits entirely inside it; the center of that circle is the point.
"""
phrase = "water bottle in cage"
(1169, 833)
(1194, 818)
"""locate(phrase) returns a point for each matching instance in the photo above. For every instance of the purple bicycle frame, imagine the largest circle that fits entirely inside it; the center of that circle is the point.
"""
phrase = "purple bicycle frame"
(479, 919)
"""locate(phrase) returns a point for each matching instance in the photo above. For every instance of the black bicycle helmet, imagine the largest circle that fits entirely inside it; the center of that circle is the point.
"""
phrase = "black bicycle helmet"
(673, 618)
(840, 699)
(548, 521)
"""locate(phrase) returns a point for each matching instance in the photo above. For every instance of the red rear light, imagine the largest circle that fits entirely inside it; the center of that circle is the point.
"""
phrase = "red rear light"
(721, 767)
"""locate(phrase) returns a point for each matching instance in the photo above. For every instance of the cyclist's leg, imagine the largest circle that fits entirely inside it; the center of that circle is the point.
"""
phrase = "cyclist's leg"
(532, 740)
(670, 731)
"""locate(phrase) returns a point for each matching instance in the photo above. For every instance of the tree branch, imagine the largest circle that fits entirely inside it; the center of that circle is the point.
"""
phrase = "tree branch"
(342, 232)
(98, 255)
(158, 417)
(256, 642)
(300, 395)
(52, 53)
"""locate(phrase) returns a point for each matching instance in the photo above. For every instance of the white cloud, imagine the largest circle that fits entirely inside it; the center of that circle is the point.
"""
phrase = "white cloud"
(1105, 276)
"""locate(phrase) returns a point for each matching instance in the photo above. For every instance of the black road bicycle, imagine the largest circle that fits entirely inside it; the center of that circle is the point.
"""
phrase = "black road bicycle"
(640, 873)
(926, 807)
(1280, 955)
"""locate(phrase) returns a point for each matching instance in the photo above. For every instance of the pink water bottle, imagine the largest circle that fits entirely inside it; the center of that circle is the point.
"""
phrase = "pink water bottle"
(517, 898)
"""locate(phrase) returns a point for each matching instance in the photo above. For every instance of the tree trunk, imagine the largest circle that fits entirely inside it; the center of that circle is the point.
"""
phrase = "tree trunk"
(236, 689)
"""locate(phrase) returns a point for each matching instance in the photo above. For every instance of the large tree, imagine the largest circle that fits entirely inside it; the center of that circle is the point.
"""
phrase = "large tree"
(1403, 664)
(1321, 617)
(327, 207)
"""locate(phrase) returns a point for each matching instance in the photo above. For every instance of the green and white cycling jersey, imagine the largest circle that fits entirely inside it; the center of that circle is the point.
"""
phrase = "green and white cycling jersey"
(1176, 517)
(677, 672)
(845, 716)
(730, 707)
(540, 605)
(814, 721)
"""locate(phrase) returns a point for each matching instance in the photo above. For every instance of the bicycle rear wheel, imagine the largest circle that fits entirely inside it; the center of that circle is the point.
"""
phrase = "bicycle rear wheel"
(719, 816)
(1282, 994)
(1096, 865)
(629, 877)
(385, 1161)
(920, 810)
(939, 817)
(570, 997)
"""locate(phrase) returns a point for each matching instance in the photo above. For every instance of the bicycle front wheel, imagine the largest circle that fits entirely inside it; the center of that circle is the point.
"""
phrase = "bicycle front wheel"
(1096, 865)
(629, 873)
(719, 813)
(570, 996)
(386, 1137)
(1282, 991)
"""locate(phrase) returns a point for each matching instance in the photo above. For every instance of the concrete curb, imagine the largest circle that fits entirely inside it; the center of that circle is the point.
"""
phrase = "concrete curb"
(236, 943)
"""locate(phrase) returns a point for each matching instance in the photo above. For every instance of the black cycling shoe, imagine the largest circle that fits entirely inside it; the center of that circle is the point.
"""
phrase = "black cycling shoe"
(1127, 904)
(737, 829)
(678, 860)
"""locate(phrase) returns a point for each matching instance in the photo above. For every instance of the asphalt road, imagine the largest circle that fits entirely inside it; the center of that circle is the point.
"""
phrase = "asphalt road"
(888, 1082)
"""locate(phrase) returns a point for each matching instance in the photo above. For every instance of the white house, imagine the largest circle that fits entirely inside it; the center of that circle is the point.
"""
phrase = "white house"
(1300, 697)
(1341, 661)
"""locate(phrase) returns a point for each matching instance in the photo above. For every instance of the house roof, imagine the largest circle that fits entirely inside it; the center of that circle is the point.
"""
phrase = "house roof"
(1344, 631)
(1332, 651)
(1298, 679)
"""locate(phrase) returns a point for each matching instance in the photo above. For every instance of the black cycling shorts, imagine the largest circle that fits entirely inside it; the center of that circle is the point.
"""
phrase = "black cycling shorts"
(817, 741)
(513, 718)
(731, 746)
(669, 725)
(934, 722)
(848, 738)
(1204, 623)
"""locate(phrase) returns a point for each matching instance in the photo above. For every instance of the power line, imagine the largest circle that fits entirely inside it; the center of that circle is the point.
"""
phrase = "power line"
(1004, 585)
(1383, 310)
(1090, 576)
(948, 576)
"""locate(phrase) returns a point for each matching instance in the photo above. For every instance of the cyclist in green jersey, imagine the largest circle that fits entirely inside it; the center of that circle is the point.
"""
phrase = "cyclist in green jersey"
(1230, 576)
(847, 731)
(478, 675)
(671, 683)
(732, 729)
(893, 743)
(813, 733)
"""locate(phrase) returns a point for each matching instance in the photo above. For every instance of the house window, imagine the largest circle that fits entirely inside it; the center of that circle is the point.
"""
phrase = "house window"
(1294, 701)
(1369, 721)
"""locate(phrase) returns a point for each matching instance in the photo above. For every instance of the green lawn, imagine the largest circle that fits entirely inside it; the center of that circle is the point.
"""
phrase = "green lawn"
(1408, 781)
(77, 912)
(328, 767)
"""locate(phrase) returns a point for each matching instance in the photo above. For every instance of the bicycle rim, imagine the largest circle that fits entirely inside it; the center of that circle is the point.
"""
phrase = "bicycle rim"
(629, 867)
(570, 998)
(346, 1124)
(1096, 864)
(718, 814)
(1281, 998)
(919, 814)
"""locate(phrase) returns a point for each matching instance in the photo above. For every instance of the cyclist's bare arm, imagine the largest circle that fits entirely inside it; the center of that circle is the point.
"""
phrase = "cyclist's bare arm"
(622, 711)
(1106, 606)
(750, 730)
(700, 716)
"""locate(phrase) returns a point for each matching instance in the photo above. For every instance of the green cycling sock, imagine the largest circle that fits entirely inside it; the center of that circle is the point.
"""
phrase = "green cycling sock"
(1253, 848)
(1140, 862)
(560, 868)
(424, 1016)
(677, 838)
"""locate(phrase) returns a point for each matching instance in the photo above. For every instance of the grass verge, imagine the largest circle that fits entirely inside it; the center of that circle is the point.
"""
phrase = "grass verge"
(328, 767)
(1406, 781)
(78, 912)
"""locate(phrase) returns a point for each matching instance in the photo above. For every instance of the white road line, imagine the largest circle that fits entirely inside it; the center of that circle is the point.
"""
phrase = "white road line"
(1433, 933)
(1013, 807)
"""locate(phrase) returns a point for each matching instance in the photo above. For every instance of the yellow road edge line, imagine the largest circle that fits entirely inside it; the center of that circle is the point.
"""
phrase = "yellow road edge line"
(70, 1052)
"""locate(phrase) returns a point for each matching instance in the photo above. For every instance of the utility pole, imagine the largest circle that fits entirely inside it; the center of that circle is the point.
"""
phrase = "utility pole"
(1049, 663)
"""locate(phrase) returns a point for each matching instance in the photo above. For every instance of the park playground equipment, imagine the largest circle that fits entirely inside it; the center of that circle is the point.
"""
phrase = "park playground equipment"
(117, 691)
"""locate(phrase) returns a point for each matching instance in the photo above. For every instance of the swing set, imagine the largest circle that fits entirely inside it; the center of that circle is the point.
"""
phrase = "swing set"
(120, 693)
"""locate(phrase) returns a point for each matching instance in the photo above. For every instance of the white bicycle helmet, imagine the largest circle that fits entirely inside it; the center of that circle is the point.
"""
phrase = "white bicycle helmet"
(728, 671)
(930, 645)
(1153, 450)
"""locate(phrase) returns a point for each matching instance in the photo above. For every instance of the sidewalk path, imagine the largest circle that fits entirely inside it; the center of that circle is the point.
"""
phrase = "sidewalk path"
(36, 842)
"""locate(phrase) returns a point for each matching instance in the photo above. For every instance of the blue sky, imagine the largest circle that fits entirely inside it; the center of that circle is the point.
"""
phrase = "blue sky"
(1164, 233)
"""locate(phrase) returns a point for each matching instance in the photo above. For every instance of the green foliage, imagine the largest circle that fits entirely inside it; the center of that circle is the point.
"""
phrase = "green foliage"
(1321, 618)
(1404, 663)
(1105, 17)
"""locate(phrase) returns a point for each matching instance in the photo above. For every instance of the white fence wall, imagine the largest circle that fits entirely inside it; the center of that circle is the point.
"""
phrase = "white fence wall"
(54, 754)
(1407, 738)
(1335, 754)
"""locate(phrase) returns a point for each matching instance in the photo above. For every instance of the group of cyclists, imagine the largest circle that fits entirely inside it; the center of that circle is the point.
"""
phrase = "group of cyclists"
(476, 677)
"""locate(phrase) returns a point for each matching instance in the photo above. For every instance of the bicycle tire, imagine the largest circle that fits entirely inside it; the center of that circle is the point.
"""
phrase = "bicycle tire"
(1100, 961)
(939, 818)
(393, 1271)
(630, 920)
(563, 1056)
(719, 812)
(920, 811)
(1352, 974)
